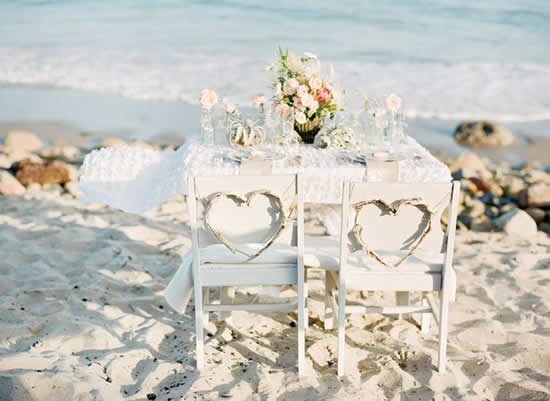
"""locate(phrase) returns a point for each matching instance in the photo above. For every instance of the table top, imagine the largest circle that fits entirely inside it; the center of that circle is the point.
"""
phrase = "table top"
(136, 180)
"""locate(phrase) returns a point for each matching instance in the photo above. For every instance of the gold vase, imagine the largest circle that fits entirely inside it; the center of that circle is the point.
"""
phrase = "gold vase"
(309, 129)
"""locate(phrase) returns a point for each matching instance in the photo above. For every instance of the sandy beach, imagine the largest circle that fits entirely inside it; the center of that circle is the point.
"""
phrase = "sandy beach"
(82, 316)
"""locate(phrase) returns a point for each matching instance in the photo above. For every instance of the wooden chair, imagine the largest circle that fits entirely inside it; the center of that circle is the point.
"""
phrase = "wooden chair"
(243, 228)
(391, 240)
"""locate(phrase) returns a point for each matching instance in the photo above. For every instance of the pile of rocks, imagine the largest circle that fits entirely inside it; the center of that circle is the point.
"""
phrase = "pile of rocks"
(499, 197)
(29, 166)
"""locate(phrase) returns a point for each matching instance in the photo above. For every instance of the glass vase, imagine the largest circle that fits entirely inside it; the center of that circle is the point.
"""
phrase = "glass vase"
(206, 127)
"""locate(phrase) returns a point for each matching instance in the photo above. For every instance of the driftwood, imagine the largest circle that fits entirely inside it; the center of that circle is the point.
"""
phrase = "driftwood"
(392, 209)
(283, 220)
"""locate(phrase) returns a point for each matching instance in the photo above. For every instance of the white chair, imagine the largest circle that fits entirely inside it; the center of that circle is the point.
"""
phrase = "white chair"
(391, 240)
(242, 234)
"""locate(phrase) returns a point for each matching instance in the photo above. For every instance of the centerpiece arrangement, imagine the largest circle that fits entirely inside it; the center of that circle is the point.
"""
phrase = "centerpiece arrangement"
(301, 91)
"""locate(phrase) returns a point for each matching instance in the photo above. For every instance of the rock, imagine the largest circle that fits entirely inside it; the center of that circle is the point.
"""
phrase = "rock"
(72, 188)
(545, 227)
(482, 134)
(18, 155)
(9, 185)
(507, 208)
(140, 144)
(475, 208)
(537, 195)
(5, 161)
(492, 212)
(495, 189)
(110, 142)
(482, 224)
(468, 160)
(67, 153)
(530, 165)
(33, 189)
(22, 141)
(74, 172)
(536, 176)
(537, 214)
(54, 172)
(517, 222)
(512, 185)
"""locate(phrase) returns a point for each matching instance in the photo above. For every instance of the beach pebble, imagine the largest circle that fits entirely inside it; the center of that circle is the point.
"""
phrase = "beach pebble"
(66, 153)
(4, 161)
(23, 141)
(537, 195)
(545, 227)
(54, 172)
(9, 184)
(482, 134)
(468, 160)
(475, 208)
(517, 222)
(110, 142)
(537, 214)
(18, 155)
(140, 144)
(512, 184)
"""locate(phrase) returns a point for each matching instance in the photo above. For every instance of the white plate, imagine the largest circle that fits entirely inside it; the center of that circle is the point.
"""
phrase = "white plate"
(239, 155)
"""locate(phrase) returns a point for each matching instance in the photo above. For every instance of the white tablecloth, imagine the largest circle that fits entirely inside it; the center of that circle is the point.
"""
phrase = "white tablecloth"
(136, 180)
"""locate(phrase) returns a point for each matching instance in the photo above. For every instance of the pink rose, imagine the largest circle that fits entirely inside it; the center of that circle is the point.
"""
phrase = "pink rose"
(208, 98)
(282, 110)
(229, 108)
(393, 102)
(323, 95)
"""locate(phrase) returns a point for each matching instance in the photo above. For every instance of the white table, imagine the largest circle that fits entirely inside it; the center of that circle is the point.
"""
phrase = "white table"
(136, 180)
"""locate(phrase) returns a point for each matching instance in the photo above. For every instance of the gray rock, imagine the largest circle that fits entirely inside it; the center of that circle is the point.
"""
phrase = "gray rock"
(22, 141)
(475, 208)
(517, 222)
(512, 184)
(537, 214)
(545, 227)
(9, 184)
(67, 153)
(482, 134)
(492, 212)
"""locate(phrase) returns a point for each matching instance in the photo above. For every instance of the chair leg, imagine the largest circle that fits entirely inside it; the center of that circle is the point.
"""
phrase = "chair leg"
(329, 312)
(206, 300)
(199, 327)
(443, 328)
(341, 329)
(425, 318)
(301, 328)
(402, 299)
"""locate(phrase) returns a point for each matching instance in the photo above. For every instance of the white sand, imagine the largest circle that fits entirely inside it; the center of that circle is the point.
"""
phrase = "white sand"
(82, 317)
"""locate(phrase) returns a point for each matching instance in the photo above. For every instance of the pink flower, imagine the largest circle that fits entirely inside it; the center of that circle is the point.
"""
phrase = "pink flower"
(315, 83)
(393, 102)
(282, 110)
(229, 108)
(208, 98)
(323, 95)
(302, 91)
(258, 99)
(298, 103)
(290, 86)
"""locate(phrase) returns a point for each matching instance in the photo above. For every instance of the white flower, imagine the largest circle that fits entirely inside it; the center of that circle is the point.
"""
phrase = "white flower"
(315, 83)
(300, 117)
(302, 91)
(294, 64)
(282, 110)
(308, 101)
(290, 86)
(393, 102)
(208, 98)
(310, 55)
(258, 100)
(229, 107)
(312, 68)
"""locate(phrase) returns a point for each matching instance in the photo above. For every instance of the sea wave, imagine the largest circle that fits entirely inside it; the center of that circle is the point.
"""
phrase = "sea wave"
(512, 92)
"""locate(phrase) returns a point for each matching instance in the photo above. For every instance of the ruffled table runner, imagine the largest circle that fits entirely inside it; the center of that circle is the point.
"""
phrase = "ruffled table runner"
(136, 180)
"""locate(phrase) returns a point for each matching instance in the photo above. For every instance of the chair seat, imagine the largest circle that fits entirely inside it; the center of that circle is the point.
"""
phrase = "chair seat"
(324, 252)
(277, 253)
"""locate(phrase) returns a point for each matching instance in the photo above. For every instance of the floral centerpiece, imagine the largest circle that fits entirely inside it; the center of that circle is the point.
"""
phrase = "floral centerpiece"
(301, 91)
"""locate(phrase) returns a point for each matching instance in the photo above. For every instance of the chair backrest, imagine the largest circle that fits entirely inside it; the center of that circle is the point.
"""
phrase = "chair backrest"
(395, 216)
(236, 210)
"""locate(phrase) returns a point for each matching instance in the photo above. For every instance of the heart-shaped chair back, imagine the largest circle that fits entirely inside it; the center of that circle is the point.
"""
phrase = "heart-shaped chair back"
(397, 216)
(236, 210)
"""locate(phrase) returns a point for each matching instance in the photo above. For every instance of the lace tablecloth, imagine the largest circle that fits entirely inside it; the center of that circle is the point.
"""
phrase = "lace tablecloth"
(136, 180)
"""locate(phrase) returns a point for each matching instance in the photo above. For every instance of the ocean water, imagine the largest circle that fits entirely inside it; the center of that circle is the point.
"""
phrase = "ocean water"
(449, 60)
